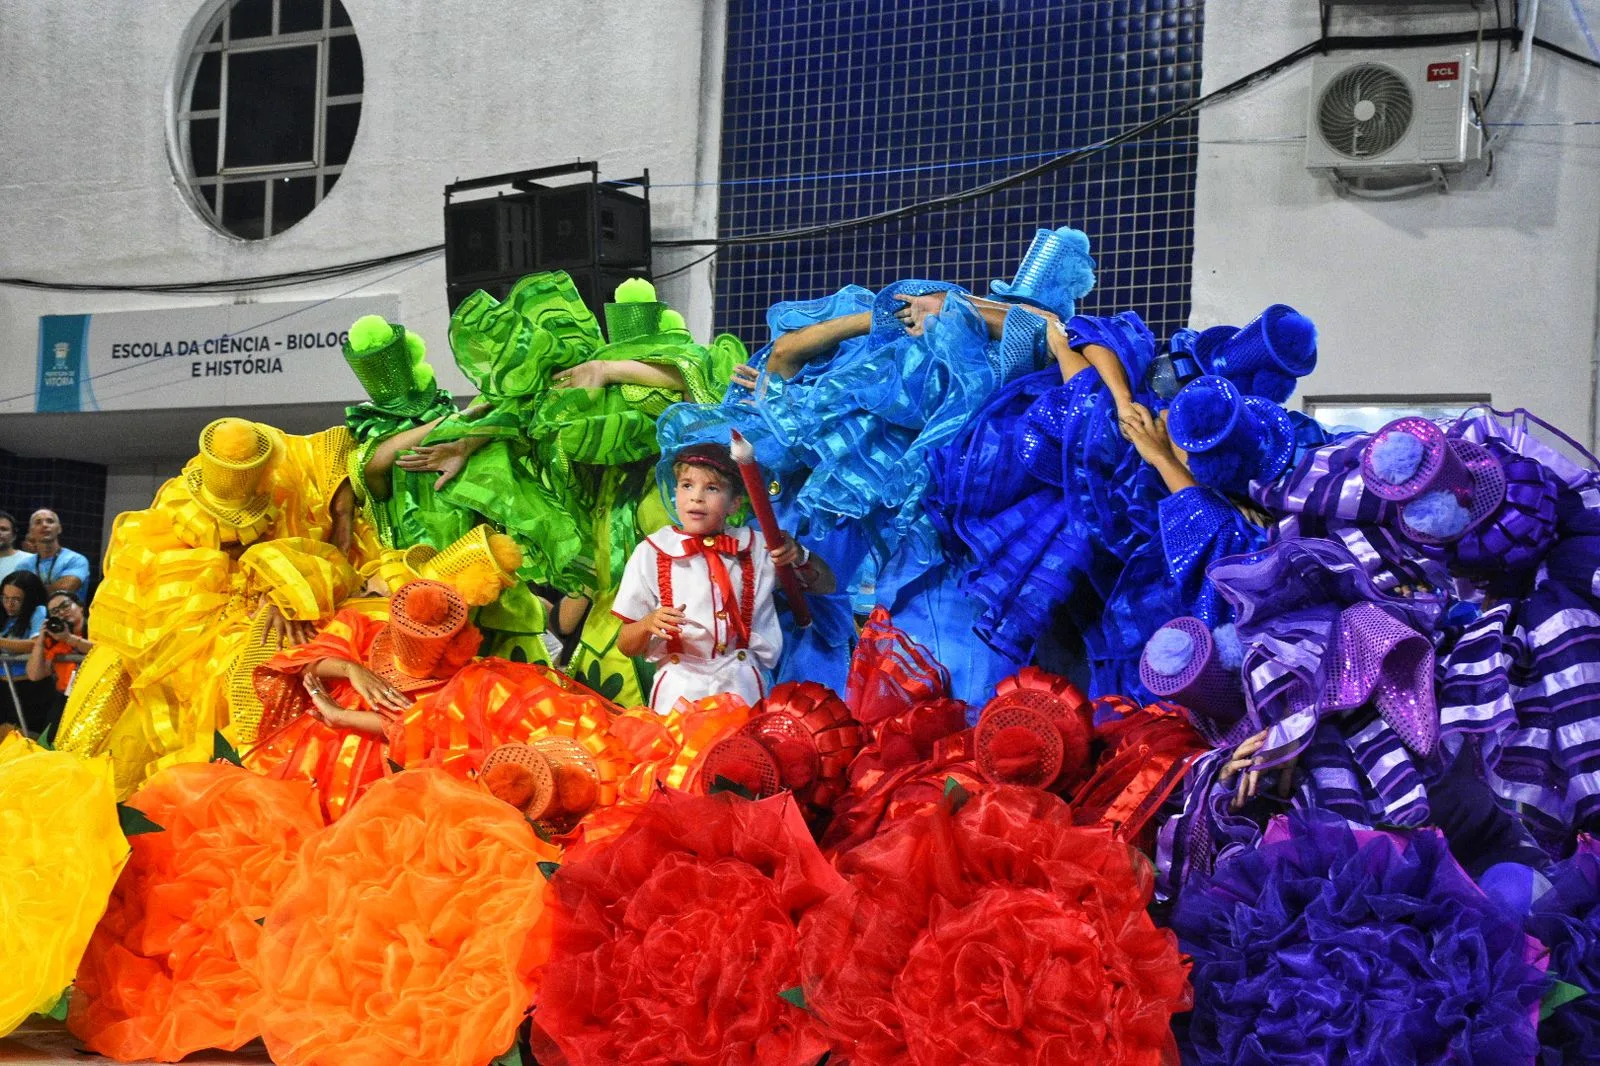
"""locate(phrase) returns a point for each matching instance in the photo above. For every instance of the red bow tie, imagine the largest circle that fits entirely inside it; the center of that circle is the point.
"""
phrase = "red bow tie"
(721, 544)
(714, 548)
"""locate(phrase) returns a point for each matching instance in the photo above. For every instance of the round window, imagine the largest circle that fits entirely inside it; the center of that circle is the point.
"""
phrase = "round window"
(267, 112)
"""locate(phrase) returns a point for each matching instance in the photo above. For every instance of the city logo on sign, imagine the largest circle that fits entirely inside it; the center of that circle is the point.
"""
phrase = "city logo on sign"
(60, 351)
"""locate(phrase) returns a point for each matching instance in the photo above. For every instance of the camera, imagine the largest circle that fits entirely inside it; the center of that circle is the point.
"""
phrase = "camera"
(56, 627)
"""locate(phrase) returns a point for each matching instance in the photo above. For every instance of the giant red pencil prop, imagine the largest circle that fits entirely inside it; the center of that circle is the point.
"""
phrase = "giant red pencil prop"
(745, 456)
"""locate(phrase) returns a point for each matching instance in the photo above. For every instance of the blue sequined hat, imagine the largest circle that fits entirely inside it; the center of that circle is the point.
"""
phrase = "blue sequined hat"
(1055, 274)
(1230, 439)
(1266, 356)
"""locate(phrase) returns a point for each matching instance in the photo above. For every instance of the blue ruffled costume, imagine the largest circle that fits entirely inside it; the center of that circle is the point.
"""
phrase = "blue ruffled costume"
(849, 440)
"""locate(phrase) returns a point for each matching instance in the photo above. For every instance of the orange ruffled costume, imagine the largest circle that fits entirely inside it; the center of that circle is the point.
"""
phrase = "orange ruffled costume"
(453, 725)
(60, 852)
(408, 932)
(168, 969)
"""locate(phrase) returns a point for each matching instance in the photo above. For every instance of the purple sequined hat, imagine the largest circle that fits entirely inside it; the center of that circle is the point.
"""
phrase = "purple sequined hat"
(1446, 486)
(1181, 663)
(1379, 659)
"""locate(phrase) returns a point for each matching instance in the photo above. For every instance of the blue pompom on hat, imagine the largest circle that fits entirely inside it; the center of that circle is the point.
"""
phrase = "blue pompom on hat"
(1266, 357)
(1230, 439)
(1055, 273)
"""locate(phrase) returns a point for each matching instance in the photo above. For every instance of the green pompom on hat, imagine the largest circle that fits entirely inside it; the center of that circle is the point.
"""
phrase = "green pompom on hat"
(635, 313)
(391, 363)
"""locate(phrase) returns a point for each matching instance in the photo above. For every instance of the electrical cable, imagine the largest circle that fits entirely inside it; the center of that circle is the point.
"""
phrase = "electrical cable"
(1576, 57)
(247, 284)
(690, 265)
(1499, 24)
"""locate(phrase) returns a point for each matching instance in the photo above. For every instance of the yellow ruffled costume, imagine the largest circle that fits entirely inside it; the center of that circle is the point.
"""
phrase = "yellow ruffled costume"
(177, 622)
(60, 853)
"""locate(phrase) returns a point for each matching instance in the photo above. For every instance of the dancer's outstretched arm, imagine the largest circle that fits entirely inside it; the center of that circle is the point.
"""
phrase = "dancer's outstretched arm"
(792, 351)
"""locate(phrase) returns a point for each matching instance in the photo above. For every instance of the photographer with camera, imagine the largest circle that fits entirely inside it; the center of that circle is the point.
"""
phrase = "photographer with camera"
(61, 635)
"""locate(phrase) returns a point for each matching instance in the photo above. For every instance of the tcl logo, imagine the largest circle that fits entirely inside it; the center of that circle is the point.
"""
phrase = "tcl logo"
(1444, 71)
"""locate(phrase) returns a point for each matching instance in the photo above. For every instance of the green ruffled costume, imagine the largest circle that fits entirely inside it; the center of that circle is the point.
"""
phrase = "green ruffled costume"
(391, 363)
(570, 473)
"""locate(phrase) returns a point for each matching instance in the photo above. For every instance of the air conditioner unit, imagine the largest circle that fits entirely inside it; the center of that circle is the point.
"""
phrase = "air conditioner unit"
(1392, 112)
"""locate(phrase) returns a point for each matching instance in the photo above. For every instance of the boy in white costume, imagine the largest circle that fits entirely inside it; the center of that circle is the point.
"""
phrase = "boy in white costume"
(696, 598)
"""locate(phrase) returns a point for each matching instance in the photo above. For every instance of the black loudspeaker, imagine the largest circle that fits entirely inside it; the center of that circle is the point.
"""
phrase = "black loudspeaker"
(586, 225)
(490, 238)
(597, 231)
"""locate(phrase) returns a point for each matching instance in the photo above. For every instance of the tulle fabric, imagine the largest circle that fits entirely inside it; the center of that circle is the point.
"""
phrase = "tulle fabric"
(999, 934)
(409, 931)
(1566, 919)
(1331, 944)
(673, 942)
(168, 971)
(60, 852)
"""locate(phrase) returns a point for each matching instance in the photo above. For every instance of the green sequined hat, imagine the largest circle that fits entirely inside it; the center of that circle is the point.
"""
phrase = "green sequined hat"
(636, 312)
(391, 363)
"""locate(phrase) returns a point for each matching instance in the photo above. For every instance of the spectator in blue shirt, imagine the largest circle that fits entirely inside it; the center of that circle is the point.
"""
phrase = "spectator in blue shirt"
(60, 568)
(10, 556)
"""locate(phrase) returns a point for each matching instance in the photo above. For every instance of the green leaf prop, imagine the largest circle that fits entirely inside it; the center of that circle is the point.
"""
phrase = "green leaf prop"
(134, 822)
(795, 997)
(955, 794)
(222, 751)
(1560, 994)
(58, 1012)
(512, 1056)
(724, 784)
(549, 869)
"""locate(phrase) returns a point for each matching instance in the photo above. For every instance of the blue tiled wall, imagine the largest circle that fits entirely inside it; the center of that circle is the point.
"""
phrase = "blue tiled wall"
(840, 108)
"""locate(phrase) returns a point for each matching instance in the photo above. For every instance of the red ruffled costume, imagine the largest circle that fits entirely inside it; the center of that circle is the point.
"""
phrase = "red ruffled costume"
(998, 934)
(168, 971)
(673, 942)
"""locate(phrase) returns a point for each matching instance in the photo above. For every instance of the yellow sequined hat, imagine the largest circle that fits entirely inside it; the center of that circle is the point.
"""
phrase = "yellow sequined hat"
(230, 479)
(479, 565)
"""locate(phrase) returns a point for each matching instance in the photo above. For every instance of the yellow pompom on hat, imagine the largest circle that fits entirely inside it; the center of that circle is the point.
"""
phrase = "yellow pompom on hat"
(230, 479)
(479, 565)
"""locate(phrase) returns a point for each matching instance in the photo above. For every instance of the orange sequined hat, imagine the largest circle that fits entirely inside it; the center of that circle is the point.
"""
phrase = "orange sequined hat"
(428, 637)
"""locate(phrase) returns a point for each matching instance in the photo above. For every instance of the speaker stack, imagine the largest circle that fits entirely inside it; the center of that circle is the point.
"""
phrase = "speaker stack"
(499, 229)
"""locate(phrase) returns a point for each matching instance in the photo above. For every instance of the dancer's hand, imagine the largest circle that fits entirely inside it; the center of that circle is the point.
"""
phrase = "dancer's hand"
(594, 374)
(787, 553)
(282, 630)
(374, 691)
(448, 458)
(746, 376)
(914, 311)
(1146, 432)
(1244, 759)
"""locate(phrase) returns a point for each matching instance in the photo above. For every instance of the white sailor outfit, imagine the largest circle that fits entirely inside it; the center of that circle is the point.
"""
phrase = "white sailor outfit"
(724, 584)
